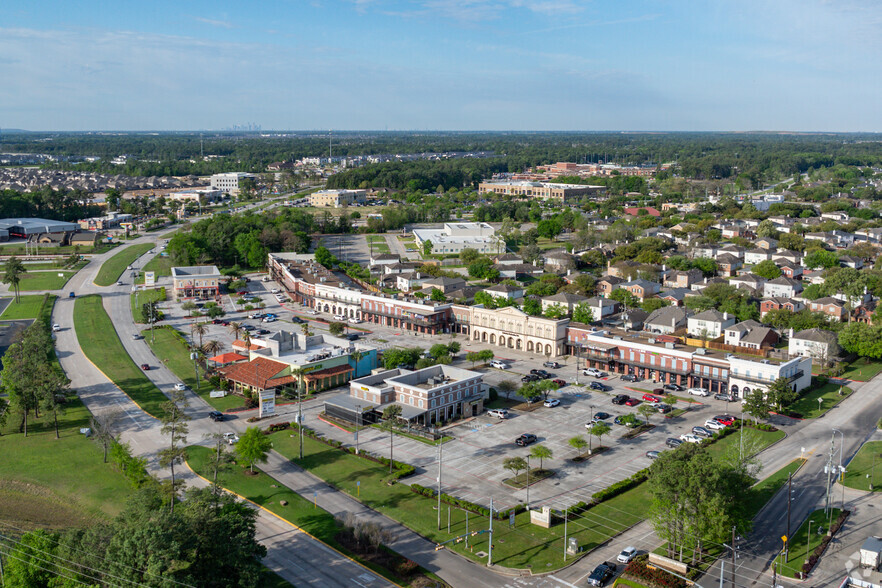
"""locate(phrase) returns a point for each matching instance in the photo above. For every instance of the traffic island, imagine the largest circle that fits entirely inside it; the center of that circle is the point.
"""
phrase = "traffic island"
(586, 456)
(523, 480)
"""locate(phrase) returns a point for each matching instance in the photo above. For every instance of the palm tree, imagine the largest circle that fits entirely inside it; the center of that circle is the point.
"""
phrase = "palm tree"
(200, 329)
(246, 338)
(356, 357)
(212, 347)
(305, 328)
(13, 270)
(235, 329)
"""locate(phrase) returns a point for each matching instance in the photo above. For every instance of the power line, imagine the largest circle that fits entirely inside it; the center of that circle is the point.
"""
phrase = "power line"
(51, 563)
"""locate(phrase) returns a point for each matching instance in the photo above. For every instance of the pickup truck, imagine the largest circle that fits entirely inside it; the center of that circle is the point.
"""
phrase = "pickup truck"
(601, 574)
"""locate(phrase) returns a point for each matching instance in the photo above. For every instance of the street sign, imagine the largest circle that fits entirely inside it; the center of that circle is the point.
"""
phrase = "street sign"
(511, 519)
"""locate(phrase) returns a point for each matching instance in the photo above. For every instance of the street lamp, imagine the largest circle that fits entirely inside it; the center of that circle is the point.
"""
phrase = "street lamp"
(528, 483)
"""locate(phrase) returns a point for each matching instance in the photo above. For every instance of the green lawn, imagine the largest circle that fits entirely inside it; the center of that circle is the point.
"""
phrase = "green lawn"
(628, 583)
(763, 491)
(113, 268)
(176, 356)
(754, 442)
(375, 239)
(102, 346)
(801, 544)
(862, 369)
(28, 307)
(48, 482)
(161, 265)
(48, 280)
(808, 405)
(265, 491)
(861, 471)
(142, 297)
(519, 547)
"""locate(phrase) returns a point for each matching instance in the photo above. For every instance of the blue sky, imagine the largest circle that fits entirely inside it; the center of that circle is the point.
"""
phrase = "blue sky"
(801, 65)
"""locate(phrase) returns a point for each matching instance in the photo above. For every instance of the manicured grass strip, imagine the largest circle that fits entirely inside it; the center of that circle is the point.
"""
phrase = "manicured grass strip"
(70, 483)
(28, 307)
(801, 544)
(159, 264)
(48, 280)
(174, 352)
(268, 493)
(762, 492)
(376, 239)
(754, 442)
(142, 297)
(270, 579)
(628, 583)
(518, 547)
(100, 343)
(861, 471)
(862, 369)
(808, 406)
(113, 268)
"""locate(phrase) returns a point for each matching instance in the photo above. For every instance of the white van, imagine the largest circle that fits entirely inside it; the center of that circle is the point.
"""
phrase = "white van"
(499, 413)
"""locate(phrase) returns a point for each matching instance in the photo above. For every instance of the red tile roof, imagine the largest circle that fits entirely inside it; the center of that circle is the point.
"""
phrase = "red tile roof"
(340, 369)
(633, 211)
(225, 358)
(260, 370)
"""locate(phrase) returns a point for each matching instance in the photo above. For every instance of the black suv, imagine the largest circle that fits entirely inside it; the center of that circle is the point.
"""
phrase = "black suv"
(673, 387)
(602, 573)
(620, 399)
(216, 416)
(551, 364)
(541, 373)
(599, 386)
(530, 378)
(525, 439)
(673, 442)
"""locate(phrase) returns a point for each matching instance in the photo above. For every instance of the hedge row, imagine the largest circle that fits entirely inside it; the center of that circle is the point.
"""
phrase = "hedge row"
(465, 504)
(620, 487)
(819, 550)
(654, 577)
(401, 469)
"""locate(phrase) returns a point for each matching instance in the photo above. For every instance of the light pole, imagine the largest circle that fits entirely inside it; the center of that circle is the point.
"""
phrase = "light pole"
(194, 356)
(528, 482)
(440, 445)
(357, 425)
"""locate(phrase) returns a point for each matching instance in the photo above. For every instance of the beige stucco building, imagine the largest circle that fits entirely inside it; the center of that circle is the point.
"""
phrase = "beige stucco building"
(515, 329)
(544, 190)
(337, 198)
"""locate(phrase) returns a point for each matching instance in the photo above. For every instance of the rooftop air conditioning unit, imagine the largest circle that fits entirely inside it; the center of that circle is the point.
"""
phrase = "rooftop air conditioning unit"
(650, 341)
(669, 345)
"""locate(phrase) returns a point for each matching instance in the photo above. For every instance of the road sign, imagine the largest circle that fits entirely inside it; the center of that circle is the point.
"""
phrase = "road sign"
(511, 519)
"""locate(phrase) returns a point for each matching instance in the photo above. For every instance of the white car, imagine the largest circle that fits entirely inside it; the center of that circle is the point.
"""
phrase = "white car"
(311, 311)
(354, 321)
(593, 372)
(180, 387)
(551, 403)
(269, 319)
(56, 327)
(499, 413)
(627, 555)
(698, 392)
(714, 425)
(690, 438)
(275, 290)
(231, 438)
(339, 317)
(500, 365)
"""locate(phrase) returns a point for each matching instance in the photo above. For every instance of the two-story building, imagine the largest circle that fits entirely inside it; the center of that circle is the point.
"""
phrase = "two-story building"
(751, 376)
(198, 281)
(709, 324)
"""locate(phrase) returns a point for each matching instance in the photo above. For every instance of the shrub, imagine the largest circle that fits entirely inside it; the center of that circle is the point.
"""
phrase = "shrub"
(622, 486)
(493, 394)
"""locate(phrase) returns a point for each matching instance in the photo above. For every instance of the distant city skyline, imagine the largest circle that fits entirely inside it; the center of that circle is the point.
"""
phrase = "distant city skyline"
(744, 65)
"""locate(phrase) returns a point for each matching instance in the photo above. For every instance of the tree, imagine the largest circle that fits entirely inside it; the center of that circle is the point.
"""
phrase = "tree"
(337, 328)
(515, 465)
(598, 429)
(469, 255)
(453, 347)
(862, 339)
(253, 447)
(215, 312)
(324, 257)
(396, 356)
(174, 424)
(780, 393)
(51, 386)
(427, 248)
(212, 347)
(236, 329)
(541, 453)
(756, 404)
(473, 356)
(480, 268)
(766, 269)
(506, 387)
(437, 295)
(485, 355)
(627, 299)
(530, 392)
(578, 443)
(103, 427)
(652, 304)
(555, 311)
(12, 273)
(532, 307)
(820, 258)
(199, 329)
(390, 415)
(766, 228)
(582, 314)
(646, 411)
(26, 369)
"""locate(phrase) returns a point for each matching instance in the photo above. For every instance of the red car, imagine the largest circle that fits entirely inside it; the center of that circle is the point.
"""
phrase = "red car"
(145, 367)
(632, 402)
(242, 293)
(651, 398)
(560, 382)
(725, 419)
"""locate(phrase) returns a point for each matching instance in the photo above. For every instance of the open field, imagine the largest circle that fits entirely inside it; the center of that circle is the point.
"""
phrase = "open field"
(28, 307)
(524, 544)
(861, 471)
(754, 442)
(808, 405)
(113, 268)
(106, 351)
(862, 369)
(142, 297)
(169, 348)
(48, 482)
(46, 280)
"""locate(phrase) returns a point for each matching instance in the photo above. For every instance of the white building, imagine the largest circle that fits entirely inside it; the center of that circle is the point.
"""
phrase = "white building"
(819, 344)
(454, 237)
(709, 323)
(337, 198)
(229, 183)
(196, 194)
(753, 375)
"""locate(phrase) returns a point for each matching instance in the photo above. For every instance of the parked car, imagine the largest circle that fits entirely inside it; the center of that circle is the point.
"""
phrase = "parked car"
(353, 336)
(263, 331)
(269, 319)
(499, 364)
(530, 378)
(690, 438)
(599, 386)
(652, 454)
(602, 415)
(256, 315)
(724, 397)
(543, 375)
(673, 387)
(499, 413)
(354, 321)
(630, 553)
(725, 419)
(311, 311)
(71, 295)
(551, 364)
(698, 392)
(602, 574)
(339, 317)
(630, 378)
(216, 416)
(593, 372)
(663, 408)
(702, 432)
(180, 387)
(136, 336)
(145, 367)
(632, 402)
(620, 399)
(525, 439)
(673, 442)
(561, 383)
(551, 403)
(275, 290)
(231, 438)
(651, 398)
(713, 425)
(296, 320)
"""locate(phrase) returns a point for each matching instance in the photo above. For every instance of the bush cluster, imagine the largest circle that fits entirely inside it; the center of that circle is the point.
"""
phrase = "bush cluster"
(819, 550)
(656, 578)
(620, 487)
(465, 504)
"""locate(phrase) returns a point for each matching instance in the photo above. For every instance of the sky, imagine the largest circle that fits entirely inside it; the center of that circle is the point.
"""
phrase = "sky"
(719, 65)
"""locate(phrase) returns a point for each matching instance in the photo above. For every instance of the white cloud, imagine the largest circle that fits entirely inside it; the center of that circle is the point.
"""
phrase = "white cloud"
(213, 22)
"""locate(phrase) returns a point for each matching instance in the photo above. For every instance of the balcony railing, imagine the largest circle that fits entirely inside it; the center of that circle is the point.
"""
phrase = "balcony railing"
(437, 319)
(765, 380)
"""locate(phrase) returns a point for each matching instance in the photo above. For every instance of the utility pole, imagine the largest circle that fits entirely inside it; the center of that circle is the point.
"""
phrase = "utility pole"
(300, 415)
(734, 556)
(829, 469)
(789, 497)
(722, 568)
(528, 483)
(439, 484)
(566, 518)
(357, 425)
(490, 550)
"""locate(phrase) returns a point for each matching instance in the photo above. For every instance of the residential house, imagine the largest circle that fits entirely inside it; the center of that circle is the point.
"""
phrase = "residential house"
(791, 270)
(676, 296)
(601, 308)
(699, 286)
(625, 269)
(634, 319)
(728, 264)
(851, 261)
(607, 284)
(518, 271)
(641, 288)
(781, 287)
(766, 243)
(565, 300)
(408, 281)
(445, 284)
(755, 256)
(508, 259)
(704, 251)
(748, 281)
(750, 334)
(731, 249)
(819, 344)
(558, 261)
(666, 320)
(783, 256)
(506, 291)
(770, 304)
(384, 259)
(709, 324)
(829, 306)
(682, 279)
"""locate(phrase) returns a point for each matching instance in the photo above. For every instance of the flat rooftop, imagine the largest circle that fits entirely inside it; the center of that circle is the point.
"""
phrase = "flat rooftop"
(195, 270)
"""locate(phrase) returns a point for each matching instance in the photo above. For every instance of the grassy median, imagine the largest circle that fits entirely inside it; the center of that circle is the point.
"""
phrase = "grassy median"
(160, 265)
(100, 343)
(28, 307)
(47, 280)
(112, 269)
(142, 297)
